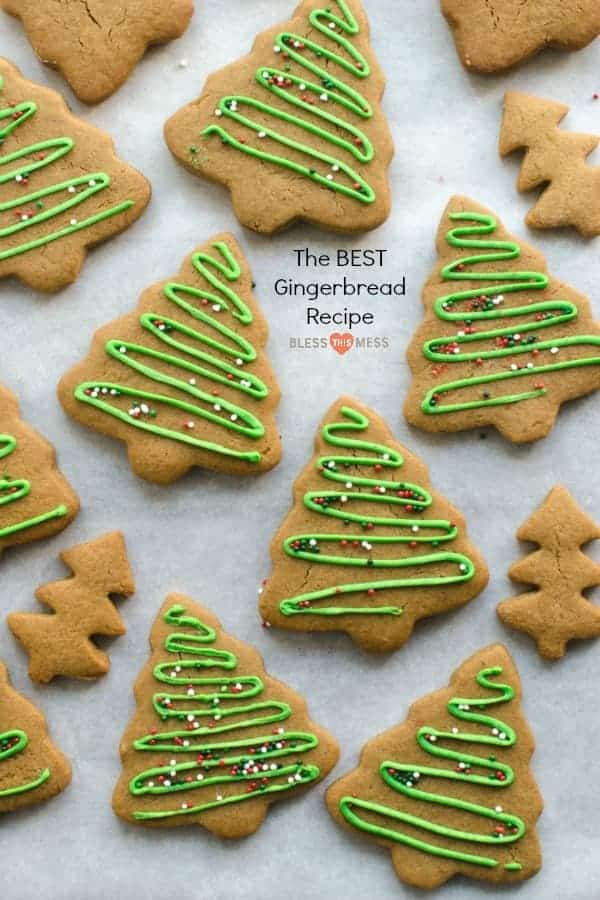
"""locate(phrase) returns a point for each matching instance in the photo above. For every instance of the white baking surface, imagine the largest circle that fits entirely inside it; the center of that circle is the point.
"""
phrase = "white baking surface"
(209, 536)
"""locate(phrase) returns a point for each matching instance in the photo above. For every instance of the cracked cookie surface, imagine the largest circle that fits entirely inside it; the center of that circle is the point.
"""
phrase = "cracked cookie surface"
(492, 35)
(96, 44)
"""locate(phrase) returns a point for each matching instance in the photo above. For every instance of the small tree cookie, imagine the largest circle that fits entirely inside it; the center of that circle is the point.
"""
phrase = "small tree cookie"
(450, 791)
(503, 341)
(554, 159)
(31, 768)
(60, 644)
(555, 611)
(214, 739)
(368, 547)
(35, 499)
(295, 129)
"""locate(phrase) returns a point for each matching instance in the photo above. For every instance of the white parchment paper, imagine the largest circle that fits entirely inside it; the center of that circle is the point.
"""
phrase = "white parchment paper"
(209, 536)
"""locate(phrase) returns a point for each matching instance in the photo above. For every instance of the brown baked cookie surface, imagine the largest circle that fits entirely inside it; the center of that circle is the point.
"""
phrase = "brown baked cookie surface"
(32, 769)
(368, 548)
(555, 610)
(35, 499)
(554, 160)
(183, 380)
(492, 35)
(60, 644)
(62, 187)
(450, 791)
(503, 342)
(214, 739)
(295, 130)
(96, 44)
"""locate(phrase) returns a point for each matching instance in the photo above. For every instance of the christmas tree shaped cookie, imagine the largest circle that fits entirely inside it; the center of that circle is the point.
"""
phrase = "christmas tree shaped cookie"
(295, 129)
(31, 768)
(368, 548)
(503, 343)
(60, 644)
(183, 379)
(35, 500)
(450, 791)
(555, 611)
(555, 160)
(494, 36)
(97, 44)
(62, 188)
(214, 740)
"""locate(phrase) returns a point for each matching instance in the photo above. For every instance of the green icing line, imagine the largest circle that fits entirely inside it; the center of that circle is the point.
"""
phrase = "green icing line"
(337, 504)
(484, 306)
(249, 766)
(407, 779)
(13, 490)
(12, 743)
(27, 162)
(327, 90)
(218, 359)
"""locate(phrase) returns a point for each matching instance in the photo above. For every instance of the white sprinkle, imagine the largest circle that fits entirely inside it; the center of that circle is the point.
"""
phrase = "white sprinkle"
(104, 391)
(312, 543)
(192, 381)
(262, 134)
(498, 809)
(517, 337)
(502, 736)
(455, 731)
(150, 784)
(415, 528)
(239, 361)
(113, 392)
(302, 86)
(335, 168)
(332, 25)
(72, 189)
(349, 485)
(216, 308)
(233, 417)
(276, 49)
(530, 365)
(291, 779)
(184, 806)
(73, 221)
(183, 64)
(19, 178)
(343, 498)
(199, 777)
(324, 97)
(554, 349)
(144, 407)
(495, 731)
(330, 178)
(514, 367)
(91, 183)
(462, 567)
(218, 112)
(219, 796)
(24, 217)
(167, 783)
(416, 776)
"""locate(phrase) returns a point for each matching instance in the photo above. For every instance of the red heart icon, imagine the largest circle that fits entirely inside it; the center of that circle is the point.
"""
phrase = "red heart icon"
(341, 343)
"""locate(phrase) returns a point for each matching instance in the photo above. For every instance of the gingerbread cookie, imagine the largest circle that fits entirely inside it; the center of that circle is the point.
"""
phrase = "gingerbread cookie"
(35, 499)
(63, 187)
(555, 160)
(450, 791)
(182, 380)
(367, 548)
(32, 769)
(554, 610)
(503, 343)
(295, 130)
(215, 739)
(60, 644)
(96, 44)
(493, 36)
